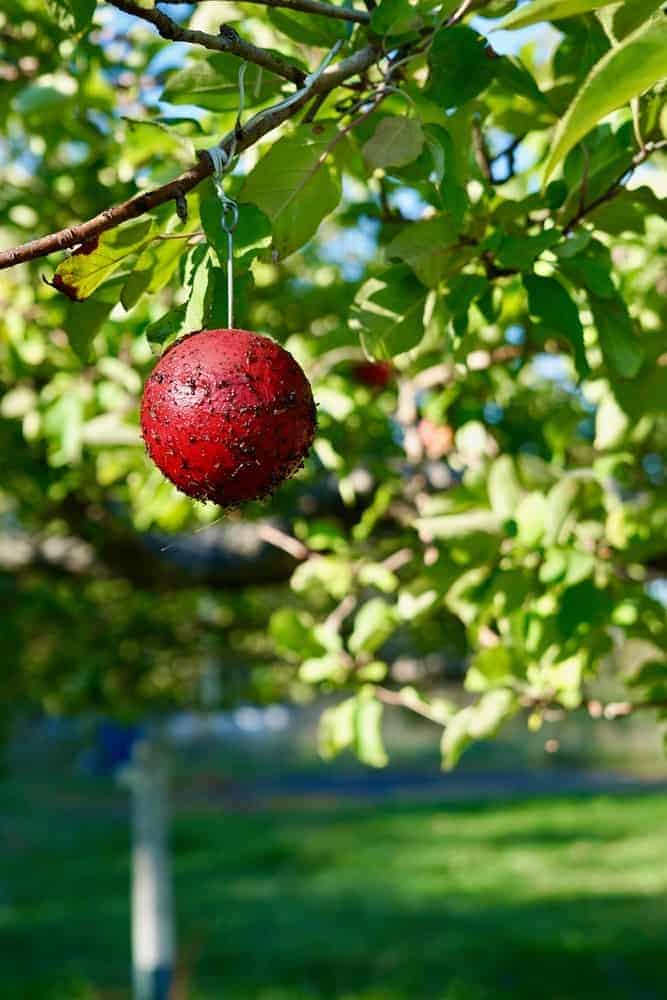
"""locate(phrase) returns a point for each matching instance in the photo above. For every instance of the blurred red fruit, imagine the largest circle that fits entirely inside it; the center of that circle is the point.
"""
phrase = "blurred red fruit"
(376, 374)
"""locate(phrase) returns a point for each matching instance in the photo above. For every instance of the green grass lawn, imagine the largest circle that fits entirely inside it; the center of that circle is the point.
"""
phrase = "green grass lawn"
(555, 899)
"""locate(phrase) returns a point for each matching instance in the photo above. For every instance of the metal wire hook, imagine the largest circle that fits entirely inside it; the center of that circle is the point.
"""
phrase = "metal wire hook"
(222, 161)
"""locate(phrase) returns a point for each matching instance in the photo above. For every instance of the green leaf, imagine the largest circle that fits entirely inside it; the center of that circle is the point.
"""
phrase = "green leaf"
(503, 487)
(79, 275)
(71, 15)
(84, 319)
(395, 142)
(490, 668)
(368, 743)
(169, 325)
(215, 301)
(293, 635)
(153, 269)
(583, 606)
(195, 311)
(463, 291)
(147, 139)
(552, 308)
(623, 73)
(548, 10)
(452, 190)
(394, 17)
(212, 83)
(456, 738)
(40, 103)
(337, 730)
(295, 186)
(253, 230)
(354, 723)
(560, 501)
(374, 623)
(375, 510)
(461, 68)
(388, 313)
(63, 424)
(629, 15)
(429, 248)
(531, 518)
(620, 346)
(476, 722)
(590, 272)
(468, 522)
(330, 574)
(308, 30)
(519, 252)
(493, 708)
(611, 423)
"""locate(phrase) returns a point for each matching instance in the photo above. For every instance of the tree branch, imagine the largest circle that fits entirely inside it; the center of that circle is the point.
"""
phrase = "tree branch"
(402, 699)
(227, 41)
(257, 127)
(461, 11)
(480, 151)
(306, 7)
(617, 186)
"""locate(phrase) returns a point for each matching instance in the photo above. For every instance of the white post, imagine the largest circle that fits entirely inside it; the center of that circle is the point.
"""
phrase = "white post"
(152, 899)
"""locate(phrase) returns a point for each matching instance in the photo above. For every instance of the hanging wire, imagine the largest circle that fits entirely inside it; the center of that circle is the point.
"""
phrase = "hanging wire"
(222, 163)
(222, 160)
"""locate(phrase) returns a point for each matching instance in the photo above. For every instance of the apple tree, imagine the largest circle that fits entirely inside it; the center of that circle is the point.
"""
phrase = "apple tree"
(453, 216)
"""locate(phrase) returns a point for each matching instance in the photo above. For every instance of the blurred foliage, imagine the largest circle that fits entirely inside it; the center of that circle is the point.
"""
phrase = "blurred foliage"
(493, 509)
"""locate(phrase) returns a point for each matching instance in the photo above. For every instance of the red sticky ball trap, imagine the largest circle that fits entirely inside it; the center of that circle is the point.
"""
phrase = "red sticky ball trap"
(227, 415)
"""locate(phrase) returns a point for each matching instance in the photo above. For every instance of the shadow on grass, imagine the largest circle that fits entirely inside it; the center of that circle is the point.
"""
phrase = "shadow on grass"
(556, 899)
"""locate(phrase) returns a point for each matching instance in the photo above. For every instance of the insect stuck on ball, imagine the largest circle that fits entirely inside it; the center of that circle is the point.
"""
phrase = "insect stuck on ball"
(227, 415)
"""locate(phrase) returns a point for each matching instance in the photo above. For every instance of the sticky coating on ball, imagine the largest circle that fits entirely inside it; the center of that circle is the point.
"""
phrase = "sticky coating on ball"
(227, 415)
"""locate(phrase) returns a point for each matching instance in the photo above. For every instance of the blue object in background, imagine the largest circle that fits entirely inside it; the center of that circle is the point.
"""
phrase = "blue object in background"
(114, 742)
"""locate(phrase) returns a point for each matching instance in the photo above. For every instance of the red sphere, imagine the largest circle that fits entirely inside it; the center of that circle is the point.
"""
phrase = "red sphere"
(375, 374)
(227, 415)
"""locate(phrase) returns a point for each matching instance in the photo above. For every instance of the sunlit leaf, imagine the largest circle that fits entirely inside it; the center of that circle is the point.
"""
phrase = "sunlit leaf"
(619, 342)
(395, 142)
(388, 313)
(553, 309)
(626, 71)
(461, 66)
(295, 186)
(549, 10)
(95, 261)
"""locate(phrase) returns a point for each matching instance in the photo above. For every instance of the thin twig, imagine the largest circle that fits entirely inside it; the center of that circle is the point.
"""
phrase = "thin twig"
(397, 560)
(480, 150)
(399, 699)
(281, 540)
(227, 41)
(305, 6)
(460, 12)
(340, 613)
(179, 236)
(617, 186)
(314, 108)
